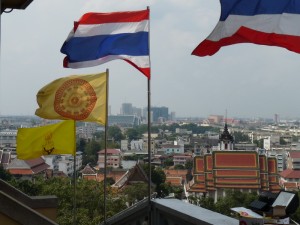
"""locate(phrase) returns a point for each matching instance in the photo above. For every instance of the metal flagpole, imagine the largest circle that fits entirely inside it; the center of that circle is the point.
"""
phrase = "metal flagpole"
(105, 145)
(149, 130)
(0, 46)
(74, 178)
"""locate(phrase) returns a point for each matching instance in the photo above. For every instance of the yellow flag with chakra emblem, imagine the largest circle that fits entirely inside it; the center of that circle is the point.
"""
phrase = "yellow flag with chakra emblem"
(76, 97)
(46, 140)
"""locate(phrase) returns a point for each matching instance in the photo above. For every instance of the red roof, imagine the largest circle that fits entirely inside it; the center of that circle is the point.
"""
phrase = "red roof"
(290, 184)
(25, 167)
(295, 154)
(175, 172)
(176, 181)
(110, 151)
(35, 162)
(291, 174)
(235, 160)
(40, 168)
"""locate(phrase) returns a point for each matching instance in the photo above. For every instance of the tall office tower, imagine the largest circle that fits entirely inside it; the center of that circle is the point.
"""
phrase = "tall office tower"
(160, 113)
(173, 116)
(126, 109)
(276, 118)
(137, 111)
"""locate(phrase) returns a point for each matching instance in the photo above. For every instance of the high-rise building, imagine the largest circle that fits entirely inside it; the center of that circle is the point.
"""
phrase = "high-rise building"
(159, 114)
(276, 118)
(173, 116)
(126, 109)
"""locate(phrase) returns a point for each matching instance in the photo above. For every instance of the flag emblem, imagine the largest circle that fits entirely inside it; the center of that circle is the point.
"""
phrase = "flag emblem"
(75, 99)
(48, 146)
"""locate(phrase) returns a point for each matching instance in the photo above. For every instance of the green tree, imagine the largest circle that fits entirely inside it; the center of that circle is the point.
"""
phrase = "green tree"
(115, 133)
(143, 129)
(189, 165)
(4, 174)
(259, 143)
(163, 190)
(240, 137)
(89, 200)
(81, 145)
(179, 167)
(296, 216)
(207, 202)
(169, 162)
(136, 192)
(133, 134)
(232, 199)
(157, 176)
(282, 141)
(178, 191)
(26, 186)
(90, 153)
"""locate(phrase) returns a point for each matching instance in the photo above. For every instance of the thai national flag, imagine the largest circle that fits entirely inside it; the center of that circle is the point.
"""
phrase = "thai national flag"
(101, 37)
(264, 22)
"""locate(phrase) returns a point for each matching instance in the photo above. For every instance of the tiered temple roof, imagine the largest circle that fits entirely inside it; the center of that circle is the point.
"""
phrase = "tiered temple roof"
(234, 169)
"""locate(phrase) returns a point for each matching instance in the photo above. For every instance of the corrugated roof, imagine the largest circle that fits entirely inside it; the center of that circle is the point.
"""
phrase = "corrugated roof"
(18, 164)
(40, 168)
(35, 162)
(32, 166)
(290, 174)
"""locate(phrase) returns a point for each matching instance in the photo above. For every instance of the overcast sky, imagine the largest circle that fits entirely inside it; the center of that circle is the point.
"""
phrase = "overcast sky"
(247, 80)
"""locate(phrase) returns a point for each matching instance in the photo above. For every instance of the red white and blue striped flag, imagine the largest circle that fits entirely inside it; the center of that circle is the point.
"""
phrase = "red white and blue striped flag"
(264, 22)
(101, 37)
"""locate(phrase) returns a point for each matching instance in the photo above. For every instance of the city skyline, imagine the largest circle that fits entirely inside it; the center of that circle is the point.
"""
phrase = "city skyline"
(261, 83)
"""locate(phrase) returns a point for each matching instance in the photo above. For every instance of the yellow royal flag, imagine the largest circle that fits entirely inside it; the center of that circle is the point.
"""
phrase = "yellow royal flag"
(76, 97)
(50, 139)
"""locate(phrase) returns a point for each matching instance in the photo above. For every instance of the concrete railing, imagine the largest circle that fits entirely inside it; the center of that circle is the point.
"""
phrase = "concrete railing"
(17, 206)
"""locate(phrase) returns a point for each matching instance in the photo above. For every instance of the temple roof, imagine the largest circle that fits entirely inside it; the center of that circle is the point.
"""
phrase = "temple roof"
(234, 169)
(88, 170)
(226, 136)
(134, 175)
